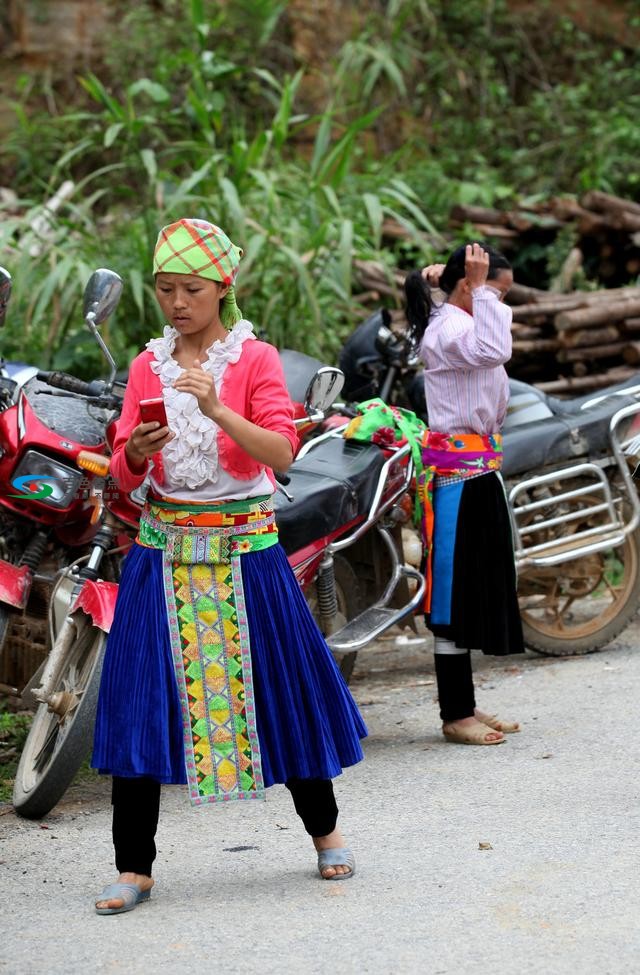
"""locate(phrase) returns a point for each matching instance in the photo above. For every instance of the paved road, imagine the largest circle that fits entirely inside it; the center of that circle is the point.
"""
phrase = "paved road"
(557, 892)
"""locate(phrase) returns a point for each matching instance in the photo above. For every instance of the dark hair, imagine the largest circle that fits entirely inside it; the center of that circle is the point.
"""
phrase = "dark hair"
(419, 300)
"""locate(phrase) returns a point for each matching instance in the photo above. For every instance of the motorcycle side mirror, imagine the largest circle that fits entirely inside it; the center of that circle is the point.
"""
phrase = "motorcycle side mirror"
(323, 390)
(101, 295)
(5, 293)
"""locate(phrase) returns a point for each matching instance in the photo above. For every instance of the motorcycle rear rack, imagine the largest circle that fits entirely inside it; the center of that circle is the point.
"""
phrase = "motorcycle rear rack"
(364, 628)
(610, 533)
(361, 630)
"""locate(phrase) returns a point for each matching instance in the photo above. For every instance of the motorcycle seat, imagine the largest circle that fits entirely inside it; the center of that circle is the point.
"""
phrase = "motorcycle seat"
(574, 405)
(331, 485)
(562, 437)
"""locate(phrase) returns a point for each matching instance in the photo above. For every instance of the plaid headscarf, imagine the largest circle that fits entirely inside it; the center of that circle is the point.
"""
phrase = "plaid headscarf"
(191, 246)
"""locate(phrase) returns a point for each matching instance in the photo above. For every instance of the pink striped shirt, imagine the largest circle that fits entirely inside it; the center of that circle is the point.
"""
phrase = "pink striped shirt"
(465, 382)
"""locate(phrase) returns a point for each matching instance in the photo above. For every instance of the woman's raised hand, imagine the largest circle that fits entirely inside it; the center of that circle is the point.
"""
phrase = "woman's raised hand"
(200, 384)
(431, 274)
(476, 265)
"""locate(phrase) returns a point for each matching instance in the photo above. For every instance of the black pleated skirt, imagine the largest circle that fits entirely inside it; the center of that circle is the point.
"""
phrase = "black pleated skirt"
(474, 601)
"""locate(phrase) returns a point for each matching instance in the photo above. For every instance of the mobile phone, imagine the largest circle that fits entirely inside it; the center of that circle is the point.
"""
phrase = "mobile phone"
(153, 409)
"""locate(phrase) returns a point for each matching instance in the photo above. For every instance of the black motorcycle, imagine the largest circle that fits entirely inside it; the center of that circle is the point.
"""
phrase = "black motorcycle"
(568, 477)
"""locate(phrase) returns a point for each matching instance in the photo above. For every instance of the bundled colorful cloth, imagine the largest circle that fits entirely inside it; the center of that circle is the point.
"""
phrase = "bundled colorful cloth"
(434, 455)
(389, 426)
(192, 246)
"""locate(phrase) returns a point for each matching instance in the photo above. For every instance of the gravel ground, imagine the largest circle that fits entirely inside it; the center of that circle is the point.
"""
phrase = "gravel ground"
(520, 858)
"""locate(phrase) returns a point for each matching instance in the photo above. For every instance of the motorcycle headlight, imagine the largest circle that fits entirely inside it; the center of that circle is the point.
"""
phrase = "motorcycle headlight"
(384, 338)
(43, 479)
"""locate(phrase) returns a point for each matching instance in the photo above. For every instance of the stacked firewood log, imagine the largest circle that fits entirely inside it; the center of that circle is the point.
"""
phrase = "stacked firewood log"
(582, 340)
(564, 339)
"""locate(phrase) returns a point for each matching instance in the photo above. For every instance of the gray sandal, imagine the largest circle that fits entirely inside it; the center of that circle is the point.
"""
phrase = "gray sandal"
(131, 894)
(339, 856)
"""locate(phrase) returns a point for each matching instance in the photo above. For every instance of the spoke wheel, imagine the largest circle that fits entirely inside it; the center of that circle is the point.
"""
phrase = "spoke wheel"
(62, 731)
(580, 606)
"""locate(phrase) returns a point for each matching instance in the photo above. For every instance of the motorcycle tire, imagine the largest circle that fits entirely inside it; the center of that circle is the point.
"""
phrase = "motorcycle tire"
(590, 636)
(349, 605)
(57, 744)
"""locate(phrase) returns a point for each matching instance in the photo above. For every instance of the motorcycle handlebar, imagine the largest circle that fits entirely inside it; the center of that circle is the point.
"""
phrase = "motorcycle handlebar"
(63, 380)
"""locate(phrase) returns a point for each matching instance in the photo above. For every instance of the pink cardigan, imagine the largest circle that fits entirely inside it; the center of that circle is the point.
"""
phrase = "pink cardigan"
(253, 386)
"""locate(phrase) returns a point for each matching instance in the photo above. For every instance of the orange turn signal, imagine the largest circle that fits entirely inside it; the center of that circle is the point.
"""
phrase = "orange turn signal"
(94, 463)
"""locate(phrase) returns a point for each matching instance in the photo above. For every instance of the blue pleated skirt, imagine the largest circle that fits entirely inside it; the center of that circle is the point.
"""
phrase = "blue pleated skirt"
(307, 721)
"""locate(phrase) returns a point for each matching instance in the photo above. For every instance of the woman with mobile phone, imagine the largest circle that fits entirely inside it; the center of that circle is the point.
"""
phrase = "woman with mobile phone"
(215, 673)
(471, 601)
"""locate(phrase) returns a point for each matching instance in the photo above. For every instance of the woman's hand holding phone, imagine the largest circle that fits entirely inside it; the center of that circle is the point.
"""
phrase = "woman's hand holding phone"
(153, 409)
(149, 436)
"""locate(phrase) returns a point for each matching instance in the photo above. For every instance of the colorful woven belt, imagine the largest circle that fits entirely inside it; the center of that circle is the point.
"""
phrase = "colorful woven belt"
(456, 455)
(208, 533)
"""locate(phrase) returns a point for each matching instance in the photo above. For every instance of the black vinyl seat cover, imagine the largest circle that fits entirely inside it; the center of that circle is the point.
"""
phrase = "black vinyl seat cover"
(569, 434)
(568, 407)
(331, 485)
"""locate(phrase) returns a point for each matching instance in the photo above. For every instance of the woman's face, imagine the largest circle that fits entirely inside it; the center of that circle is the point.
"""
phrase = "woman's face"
(190, 303)
(502, 281)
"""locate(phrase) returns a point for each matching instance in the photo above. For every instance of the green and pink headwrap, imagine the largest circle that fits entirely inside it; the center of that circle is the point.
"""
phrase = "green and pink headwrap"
(191, 246)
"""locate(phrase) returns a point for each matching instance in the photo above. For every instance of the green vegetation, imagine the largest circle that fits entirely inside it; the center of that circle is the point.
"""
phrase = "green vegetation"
(14, 729)
(201, 109)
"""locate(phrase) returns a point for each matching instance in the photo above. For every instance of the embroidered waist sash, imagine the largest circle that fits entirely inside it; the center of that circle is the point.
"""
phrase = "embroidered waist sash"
(208, 532)
(209, 632)
(451, 455)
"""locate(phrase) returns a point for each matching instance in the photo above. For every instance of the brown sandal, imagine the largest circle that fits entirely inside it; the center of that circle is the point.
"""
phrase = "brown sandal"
(473, 734)
(493, 721)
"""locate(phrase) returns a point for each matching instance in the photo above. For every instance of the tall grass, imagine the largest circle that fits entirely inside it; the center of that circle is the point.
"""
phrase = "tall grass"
(201, 110)
(301, 226)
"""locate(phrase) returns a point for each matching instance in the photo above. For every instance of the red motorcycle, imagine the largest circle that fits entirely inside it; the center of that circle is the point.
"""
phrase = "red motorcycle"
(339, 511)
(45, 508)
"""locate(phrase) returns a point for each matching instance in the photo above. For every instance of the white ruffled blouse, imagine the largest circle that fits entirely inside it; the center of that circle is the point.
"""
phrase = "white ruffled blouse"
(190, 460)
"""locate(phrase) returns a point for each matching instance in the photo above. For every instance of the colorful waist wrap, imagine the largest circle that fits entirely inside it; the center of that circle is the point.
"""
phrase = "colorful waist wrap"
(456, 456)
(209, 636)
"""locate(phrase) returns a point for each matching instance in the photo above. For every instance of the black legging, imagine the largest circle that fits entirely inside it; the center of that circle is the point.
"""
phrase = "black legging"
(136, 807)
(455, 685)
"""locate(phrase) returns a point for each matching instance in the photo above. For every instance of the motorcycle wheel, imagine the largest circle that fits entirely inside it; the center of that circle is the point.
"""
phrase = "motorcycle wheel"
(349, 605)
(581, 606)
(58, 742)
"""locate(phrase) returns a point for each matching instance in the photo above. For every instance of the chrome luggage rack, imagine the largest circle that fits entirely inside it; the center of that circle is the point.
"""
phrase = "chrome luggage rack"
(561, 509)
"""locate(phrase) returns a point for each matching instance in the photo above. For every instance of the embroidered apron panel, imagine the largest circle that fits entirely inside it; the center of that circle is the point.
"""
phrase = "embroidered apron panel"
(210, 639)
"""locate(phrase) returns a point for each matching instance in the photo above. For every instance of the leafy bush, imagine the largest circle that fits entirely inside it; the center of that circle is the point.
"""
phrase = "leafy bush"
(200, 109)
